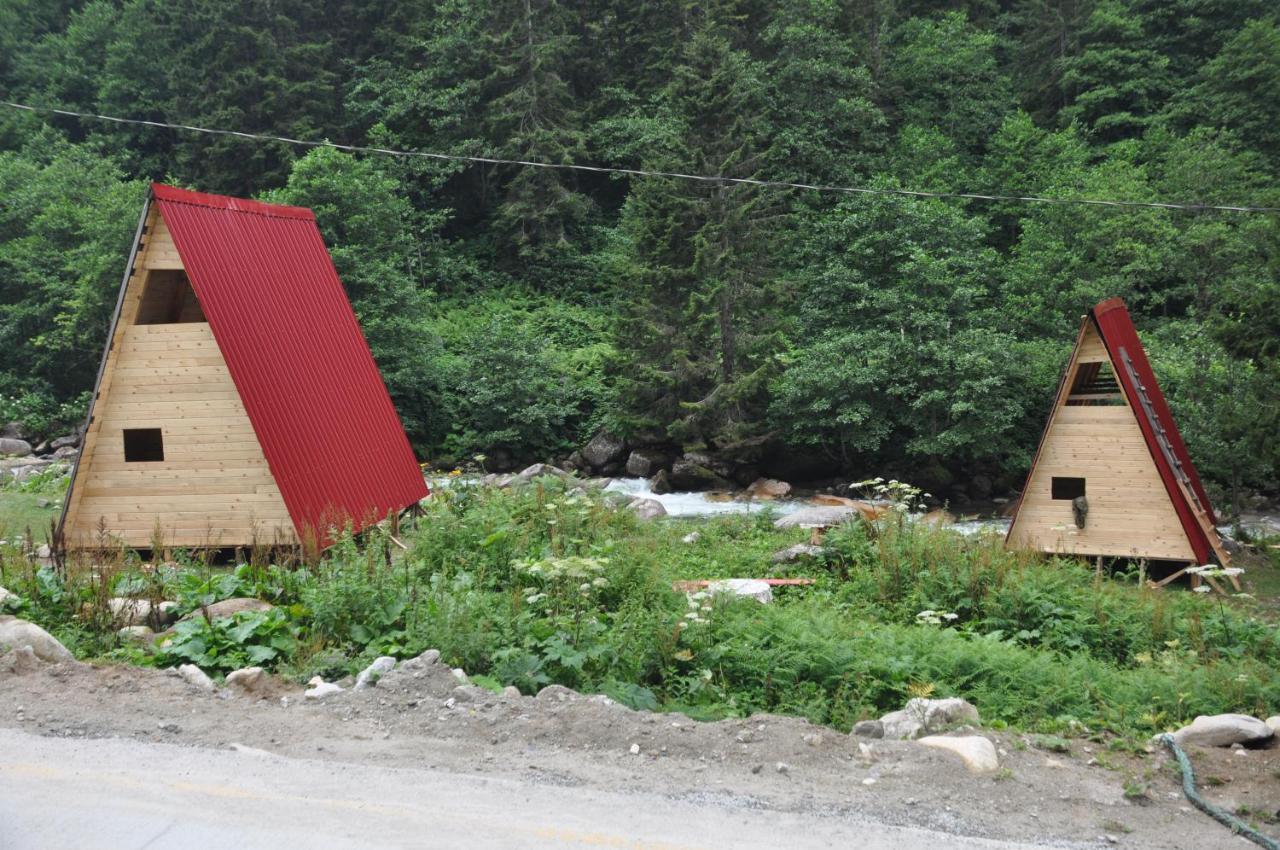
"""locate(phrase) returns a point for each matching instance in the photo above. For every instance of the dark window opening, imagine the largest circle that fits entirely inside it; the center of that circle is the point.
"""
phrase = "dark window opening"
(1095, 384)
(1067, 488)
(168, 299)
(143, 445)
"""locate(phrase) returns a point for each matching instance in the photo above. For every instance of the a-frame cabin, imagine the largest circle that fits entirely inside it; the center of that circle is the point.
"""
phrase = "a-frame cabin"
(1112, 476)
(237, 402)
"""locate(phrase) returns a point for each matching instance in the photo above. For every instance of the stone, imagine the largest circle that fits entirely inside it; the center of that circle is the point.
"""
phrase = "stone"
(252, 681)
(19, 661)
(798, 552)
(823, 516)
(1274, 723)
(688, 475)
(166, 612)
(978, 753)
(128, 612)
(196, 678)
(540, 469)
(431, 656)
(69, 441)
(748, 588)
(768, 488)
(925, 716)
(782, 767)
(1223, 730)
(227, 607)
(15, 447)
(575, 462)
(16, 632)
(938, 518)
(643, 463)
(370, 675)
(320, 688)
(660, 483)
(136, 634)
(65, 453)
(43, 552)
(511, 692)
(691, 537)
(647, 508)
(868, 729)
(604, 449)
(6, 595)
(459, 674)
(635, 749)
(556, 693)
(14, 431)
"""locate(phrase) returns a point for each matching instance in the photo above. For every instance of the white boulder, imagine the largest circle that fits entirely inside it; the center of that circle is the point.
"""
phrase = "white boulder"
(196, 678)
(320, 688)
(370, 675)
(17, 633)
(1223, 730)
(647, 508)
(748, 588)
(925, 716)
(978, 753)
(252, 681)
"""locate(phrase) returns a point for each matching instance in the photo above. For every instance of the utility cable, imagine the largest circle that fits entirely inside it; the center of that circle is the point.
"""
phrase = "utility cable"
(639, 172)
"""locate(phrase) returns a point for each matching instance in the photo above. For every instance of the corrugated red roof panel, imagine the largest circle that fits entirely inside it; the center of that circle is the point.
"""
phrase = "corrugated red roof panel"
(297, 356)
(1119, 335)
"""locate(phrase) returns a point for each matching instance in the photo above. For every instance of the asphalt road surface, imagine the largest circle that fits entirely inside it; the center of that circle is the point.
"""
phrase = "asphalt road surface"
(119, 794)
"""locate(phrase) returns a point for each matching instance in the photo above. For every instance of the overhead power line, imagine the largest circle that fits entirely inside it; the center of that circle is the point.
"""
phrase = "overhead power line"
(639, 172)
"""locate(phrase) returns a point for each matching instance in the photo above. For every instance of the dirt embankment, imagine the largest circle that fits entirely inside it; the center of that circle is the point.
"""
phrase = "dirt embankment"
(420, 715)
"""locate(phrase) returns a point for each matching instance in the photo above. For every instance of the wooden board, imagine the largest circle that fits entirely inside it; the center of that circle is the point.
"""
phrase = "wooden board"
(214, 486)
(1130, 513)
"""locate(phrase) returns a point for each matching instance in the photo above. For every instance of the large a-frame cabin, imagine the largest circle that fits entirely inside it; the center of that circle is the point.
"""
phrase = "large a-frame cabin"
(237, 402)
(1112, 476)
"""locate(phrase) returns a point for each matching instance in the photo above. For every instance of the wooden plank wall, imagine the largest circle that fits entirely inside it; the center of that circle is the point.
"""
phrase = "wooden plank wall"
(214, 487)
(1130, 513)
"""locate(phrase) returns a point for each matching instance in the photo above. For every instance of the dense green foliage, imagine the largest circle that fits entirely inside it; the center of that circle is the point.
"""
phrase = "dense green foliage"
(514, 310)
(542, 585)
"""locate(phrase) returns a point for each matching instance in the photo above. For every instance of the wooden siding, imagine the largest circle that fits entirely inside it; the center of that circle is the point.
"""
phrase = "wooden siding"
(213, 487)
(1130, 512)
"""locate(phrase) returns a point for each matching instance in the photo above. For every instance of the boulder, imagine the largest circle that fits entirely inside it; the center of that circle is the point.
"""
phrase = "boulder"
(938, 518)
(691, 538)
(868, 729)
(540, 469)
(65, 453)
(14, 431)
(748, 588)
(370, 675)
(647, 508)
(320, 688)
(166, 612)
(768, 488)
(1223, 730)
(604, 449)
(128, 612)
(575, 462)
(6, 595)
(798, 552)
(660, 483)
(431, 656)
(556, 693)
(69, 441)
(19, 661)
(251, 681)
(136, 634)
(196, 678)
(687, 475)
(1274, 723)
(15, 447)
(926, 716)
(978, 753)
(228, 607)
(16, 632)
(817, 517)
(643, 463)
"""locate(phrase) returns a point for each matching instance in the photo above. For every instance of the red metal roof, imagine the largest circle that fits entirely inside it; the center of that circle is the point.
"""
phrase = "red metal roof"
(1119, 335)
(302, 367)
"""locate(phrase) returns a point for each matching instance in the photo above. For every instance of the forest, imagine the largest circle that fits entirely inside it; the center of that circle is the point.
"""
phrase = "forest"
(515, 311)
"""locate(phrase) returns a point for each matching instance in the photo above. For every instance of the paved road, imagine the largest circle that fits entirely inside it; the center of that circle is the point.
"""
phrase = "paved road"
(118, 794)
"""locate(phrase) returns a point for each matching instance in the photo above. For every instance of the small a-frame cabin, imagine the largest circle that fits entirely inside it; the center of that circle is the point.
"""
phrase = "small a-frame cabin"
(237, 402)
(1112, 477)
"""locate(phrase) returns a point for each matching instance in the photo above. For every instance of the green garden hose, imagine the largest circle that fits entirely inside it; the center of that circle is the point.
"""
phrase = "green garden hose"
(1221, 815)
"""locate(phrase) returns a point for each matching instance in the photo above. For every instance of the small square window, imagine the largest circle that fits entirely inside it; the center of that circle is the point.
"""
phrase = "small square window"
(143, 444)
(1067, 488)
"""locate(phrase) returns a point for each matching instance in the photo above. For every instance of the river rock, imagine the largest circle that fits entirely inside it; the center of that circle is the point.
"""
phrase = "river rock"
(1223, 730)
(65, 453)
(1274, 723)
(748, 588)
(978, 753)
(14, 431)
(136, 634)
(320, 688)
(645, 462)
(868, 729)
(688, 475)
(660, 483)
(15, 447)
(251, 681)
(768, 488)
(604, 449)
(798, 552)
(926, 716)
(16, 632)
(228, 607)
(540, 469)
(647, 508)
(370, 675)
(196, 678)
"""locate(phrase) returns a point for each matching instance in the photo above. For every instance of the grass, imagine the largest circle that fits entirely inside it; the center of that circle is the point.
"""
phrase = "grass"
(540, 585)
